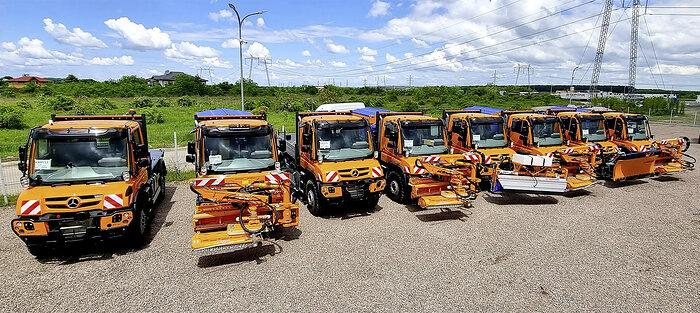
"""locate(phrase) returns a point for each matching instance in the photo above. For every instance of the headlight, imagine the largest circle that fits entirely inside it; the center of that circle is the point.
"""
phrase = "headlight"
(24, 181)
(18, 224)
(320, 158)
(277, 166)
(203, 171)
(126, 176)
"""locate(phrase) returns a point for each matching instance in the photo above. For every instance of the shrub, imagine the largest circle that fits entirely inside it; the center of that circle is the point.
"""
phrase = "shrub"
(103, 103)
(58, 102)
(186, 101)
(142, 102)
(8, 93)
(410, 106)
(154, 116)
(161, 103)
(11, 117)
(24, 104)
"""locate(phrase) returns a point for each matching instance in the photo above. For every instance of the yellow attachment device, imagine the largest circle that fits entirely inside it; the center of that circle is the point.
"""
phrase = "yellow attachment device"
(231, 216)
(458, 172)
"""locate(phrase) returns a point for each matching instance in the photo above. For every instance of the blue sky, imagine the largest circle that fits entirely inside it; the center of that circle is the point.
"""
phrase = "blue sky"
(430, 42)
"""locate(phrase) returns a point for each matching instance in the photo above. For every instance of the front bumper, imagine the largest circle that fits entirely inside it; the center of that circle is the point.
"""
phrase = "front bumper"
(353, 190)
(73, 226)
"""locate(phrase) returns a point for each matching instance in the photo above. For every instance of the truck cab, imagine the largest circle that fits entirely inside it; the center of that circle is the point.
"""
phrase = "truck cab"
(87, 177)
(632, 135)
(541, 135)
(333, 161)
(413, 150)
(238, 177)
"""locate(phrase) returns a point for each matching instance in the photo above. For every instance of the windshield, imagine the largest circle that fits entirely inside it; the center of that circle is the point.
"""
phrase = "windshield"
(546, 132)
(638, 129)
(593, 129)
(81, 159)
(234, 153)
(343, 143)
(488, 133)
(423, 139)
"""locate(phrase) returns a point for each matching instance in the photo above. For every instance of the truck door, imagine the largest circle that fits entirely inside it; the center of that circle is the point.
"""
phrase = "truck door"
(519, 131)
(390, 139)
(620, 133)
(306, 143)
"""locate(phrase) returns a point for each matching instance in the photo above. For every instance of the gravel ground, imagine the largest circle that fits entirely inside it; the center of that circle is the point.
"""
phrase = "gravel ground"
(624, 247)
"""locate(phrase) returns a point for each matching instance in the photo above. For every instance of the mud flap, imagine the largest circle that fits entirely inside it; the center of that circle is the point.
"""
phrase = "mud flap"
(631, 167)
(234, 238)
(532, 183)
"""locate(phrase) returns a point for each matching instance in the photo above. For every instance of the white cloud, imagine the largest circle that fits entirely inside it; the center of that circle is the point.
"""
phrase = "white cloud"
(77, 37)
(335, 48)
(306, 53)
(367, 58)
(286, 64)
(338, 64)
(137, 36)
(678, 69)
(258, 50)
(260, 22)
(188, 51)
(390, 58)
(216, 62)
(230, 43)
(9, 46)
(366, 51)
(221, 15)
(379, 8)
(123, 60)
(419, 43)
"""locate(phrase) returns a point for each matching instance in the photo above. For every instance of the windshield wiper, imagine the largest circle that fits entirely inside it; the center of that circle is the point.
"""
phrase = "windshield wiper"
(60, 184)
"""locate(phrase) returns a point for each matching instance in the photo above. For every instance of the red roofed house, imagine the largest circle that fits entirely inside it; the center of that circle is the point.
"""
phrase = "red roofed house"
(20, 82)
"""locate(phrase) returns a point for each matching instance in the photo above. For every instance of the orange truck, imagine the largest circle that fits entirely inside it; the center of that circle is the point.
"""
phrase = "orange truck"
(87, 177)
(632, 135)
(332, 158)
(503, 169)
(242, 192)
(539, 140)
(412, 150)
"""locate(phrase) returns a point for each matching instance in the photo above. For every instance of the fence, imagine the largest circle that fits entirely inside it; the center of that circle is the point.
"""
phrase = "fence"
(10, 174)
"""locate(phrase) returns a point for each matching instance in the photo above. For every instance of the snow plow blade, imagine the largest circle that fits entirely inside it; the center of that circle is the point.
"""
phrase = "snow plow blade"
(632, 166)
(669, 169)
(532, 183)
(445, 200)
(222, 241)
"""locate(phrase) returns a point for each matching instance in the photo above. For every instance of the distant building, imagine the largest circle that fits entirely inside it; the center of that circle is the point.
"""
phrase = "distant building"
(20, 82)
(169, 78)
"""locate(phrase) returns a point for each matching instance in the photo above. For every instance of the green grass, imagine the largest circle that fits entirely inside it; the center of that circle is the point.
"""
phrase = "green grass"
(175, 176)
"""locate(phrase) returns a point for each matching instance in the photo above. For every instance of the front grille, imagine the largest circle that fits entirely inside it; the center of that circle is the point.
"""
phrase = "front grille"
(362, 171)
(356, 192)
(62, 202)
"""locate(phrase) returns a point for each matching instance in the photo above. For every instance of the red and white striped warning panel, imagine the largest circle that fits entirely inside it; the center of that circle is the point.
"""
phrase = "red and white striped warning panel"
(549, 155)
(665, 142)
(568, 150)
(30, 207)
(487, 160)
(594, 148)
(641, 149)
(332, 177)
(276, 178)
(209, 181)
(430, 159)
(113, 201)
(376, 172)
(471, 157)
(418, 170)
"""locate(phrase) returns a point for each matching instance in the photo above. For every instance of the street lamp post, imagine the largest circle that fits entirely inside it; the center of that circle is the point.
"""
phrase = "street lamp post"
(240, 44)
(572, 84)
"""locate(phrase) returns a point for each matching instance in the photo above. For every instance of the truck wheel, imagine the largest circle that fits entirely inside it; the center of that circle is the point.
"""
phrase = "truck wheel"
(139, 225)
(396, 188)
(313, 199)
(38, 251)
(161, 187)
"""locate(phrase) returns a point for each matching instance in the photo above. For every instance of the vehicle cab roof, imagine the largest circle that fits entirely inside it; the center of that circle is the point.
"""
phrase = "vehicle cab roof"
(331, 118)
(92, 124)
(233, 121)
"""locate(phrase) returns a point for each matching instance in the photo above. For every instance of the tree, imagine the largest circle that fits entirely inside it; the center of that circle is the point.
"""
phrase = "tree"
(71, 79)
(186, 85)
(29, 88)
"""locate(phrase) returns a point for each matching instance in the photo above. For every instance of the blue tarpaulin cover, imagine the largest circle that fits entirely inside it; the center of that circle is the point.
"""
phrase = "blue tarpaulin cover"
(222, 112)
(369, 111)
(485, 110)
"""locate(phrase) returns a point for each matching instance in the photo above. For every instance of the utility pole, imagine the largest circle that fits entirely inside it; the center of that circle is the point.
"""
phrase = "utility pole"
(598, 62)
(634, 42)
(494, 77)
(240, 44)
(364, 82)
(410, 80)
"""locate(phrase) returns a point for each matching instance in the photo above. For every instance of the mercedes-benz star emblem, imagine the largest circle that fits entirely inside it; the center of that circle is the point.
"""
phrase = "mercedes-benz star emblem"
(355, 173)
(73, 203)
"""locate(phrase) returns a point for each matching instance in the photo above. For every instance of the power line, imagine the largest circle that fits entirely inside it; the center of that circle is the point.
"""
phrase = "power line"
(654, 50)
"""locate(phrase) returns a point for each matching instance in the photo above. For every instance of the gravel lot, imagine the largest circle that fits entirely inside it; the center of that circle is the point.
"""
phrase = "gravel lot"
(625, 247)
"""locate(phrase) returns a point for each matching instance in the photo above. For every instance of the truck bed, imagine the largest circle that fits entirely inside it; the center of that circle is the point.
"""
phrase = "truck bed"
(291, 146)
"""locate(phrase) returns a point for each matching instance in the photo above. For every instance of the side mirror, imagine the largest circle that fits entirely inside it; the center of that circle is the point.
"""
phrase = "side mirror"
(144, 162)
(23, 152)
(141, 151)
(22, 166)
(288, 137)
(191, 149)
(282, 146)
(189, 158)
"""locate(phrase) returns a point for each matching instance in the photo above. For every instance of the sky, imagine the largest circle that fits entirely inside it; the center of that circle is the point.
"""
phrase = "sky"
(352, 43)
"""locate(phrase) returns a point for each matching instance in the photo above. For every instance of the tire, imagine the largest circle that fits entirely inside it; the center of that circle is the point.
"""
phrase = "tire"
(38, 251)
(372, 201)
(314, 201)
(161, 186)
(138, 228)
(396, 188)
